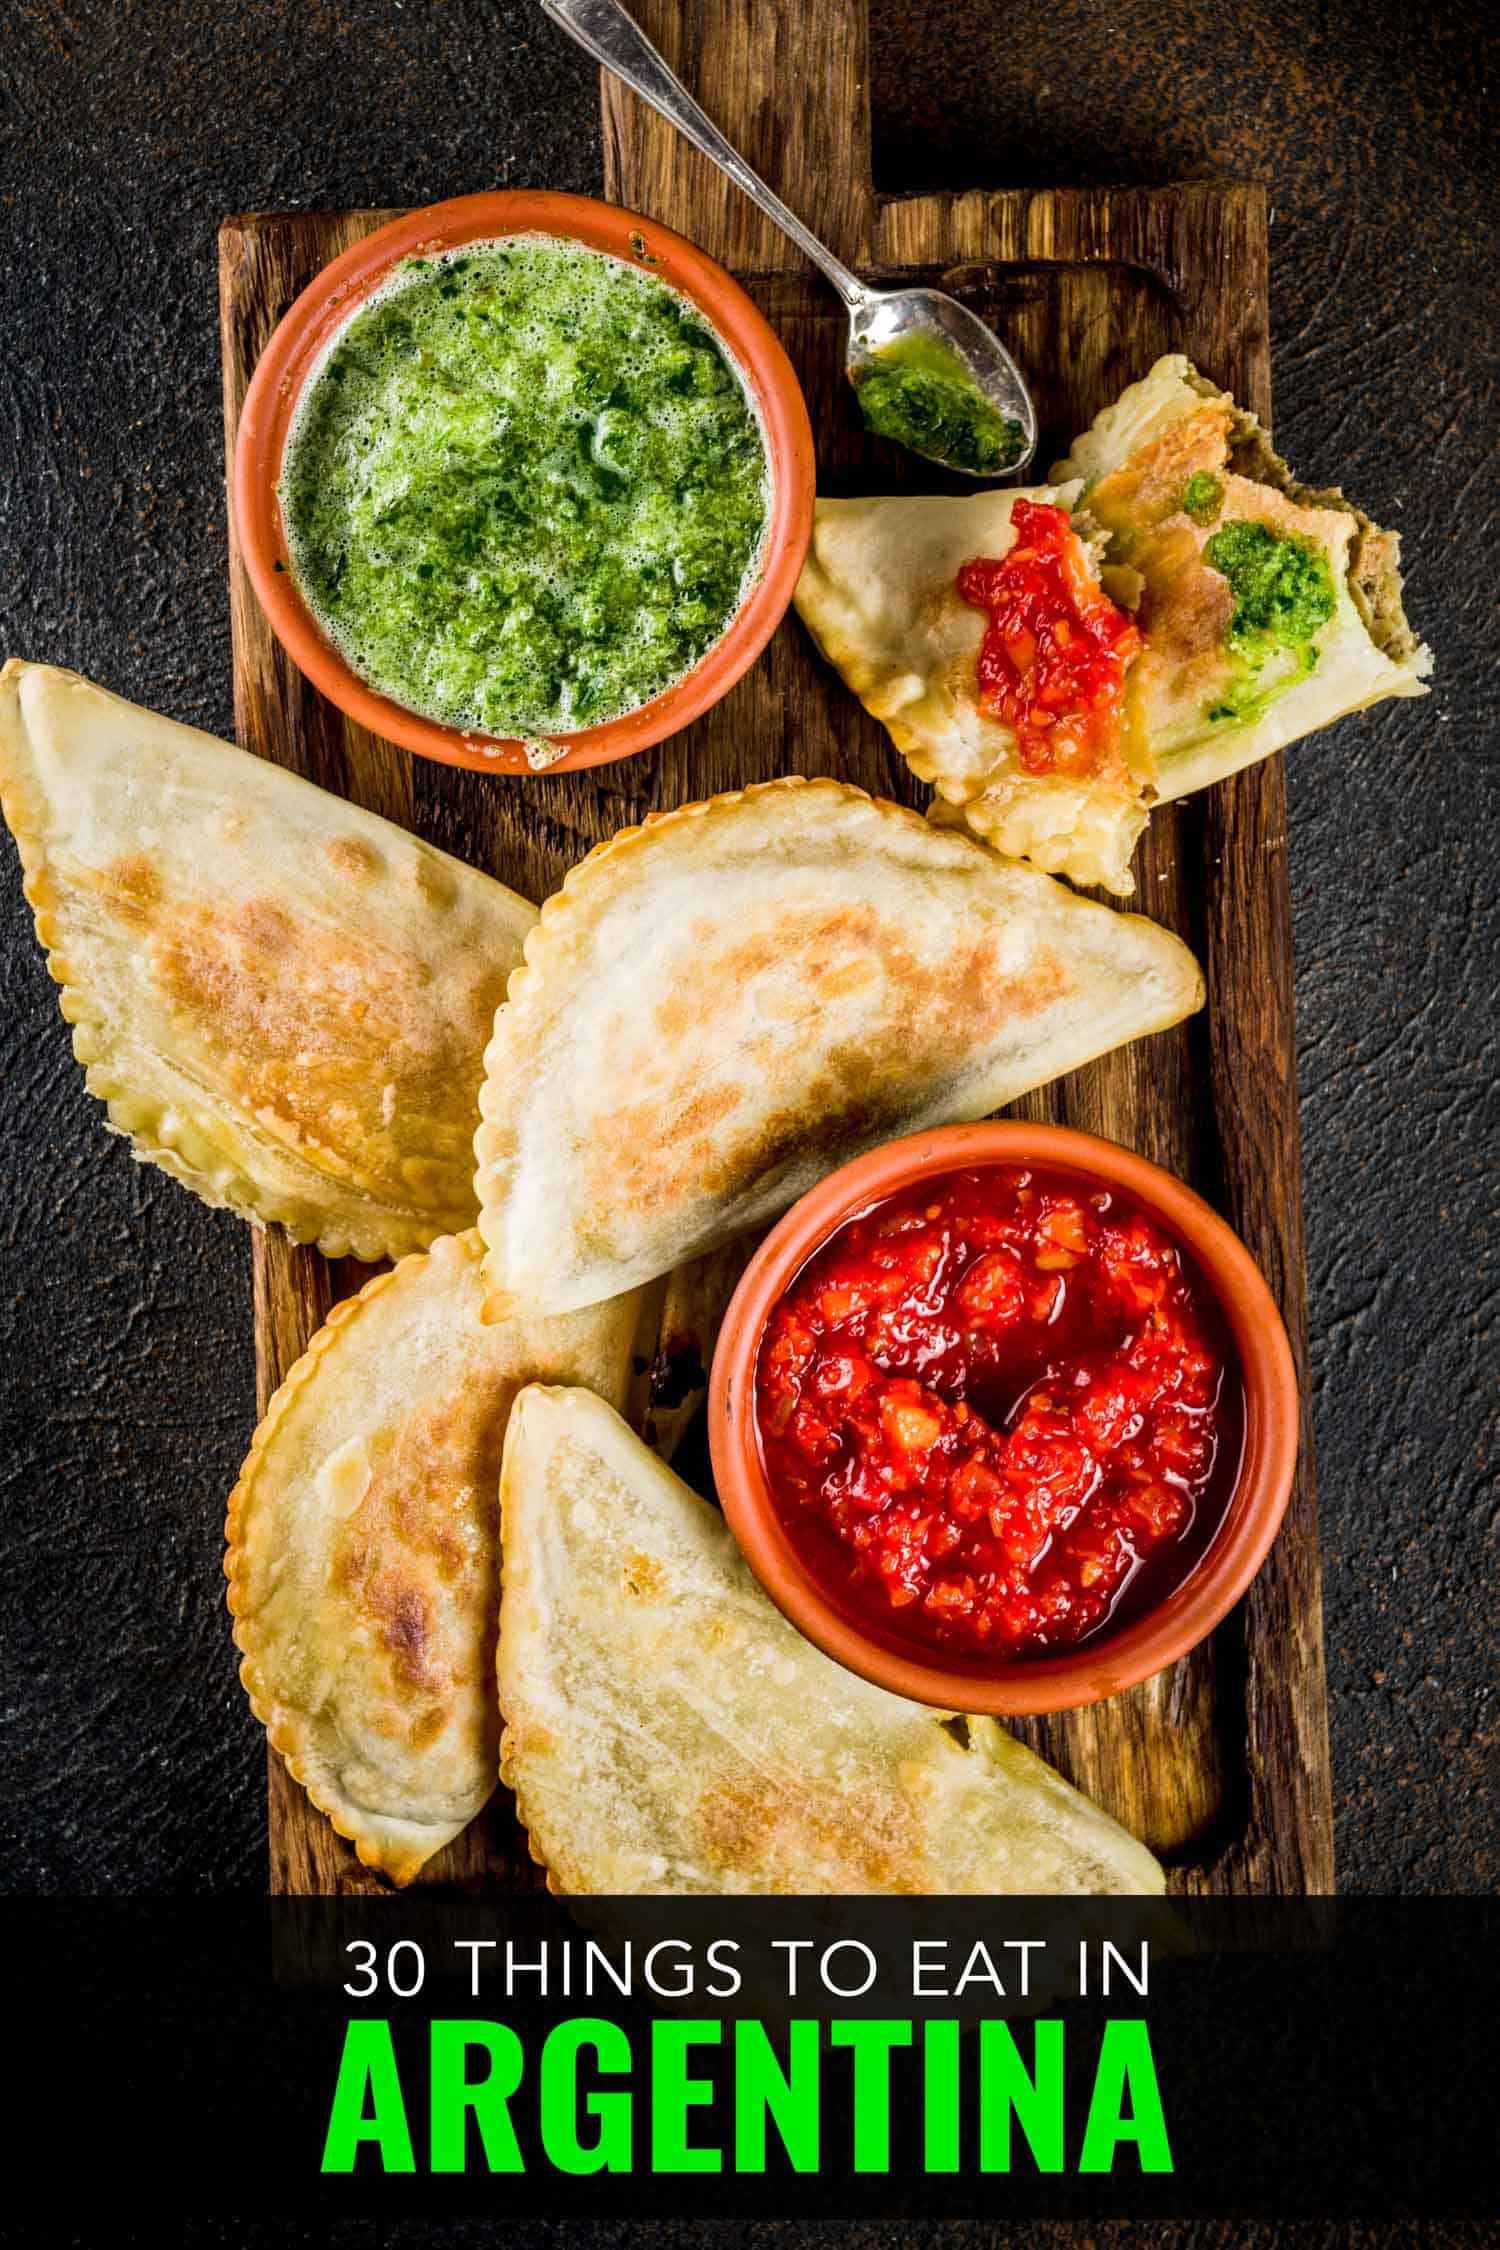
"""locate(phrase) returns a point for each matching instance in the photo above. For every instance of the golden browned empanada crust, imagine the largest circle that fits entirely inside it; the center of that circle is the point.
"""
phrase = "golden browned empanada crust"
(666, 1729)
(283, 1000)
(1147, 486)
(722, 1005)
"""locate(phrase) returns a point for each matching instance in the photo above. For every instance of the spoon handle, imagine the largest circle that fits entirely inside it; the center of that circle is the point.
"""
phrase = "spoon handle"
(605, 31)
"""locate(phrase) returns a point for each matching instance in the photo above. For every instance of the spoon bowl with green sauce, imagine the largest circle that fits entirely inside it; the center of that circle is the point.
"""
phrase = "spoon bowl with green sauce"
(524, 481)
(921, 366)
(927, 372)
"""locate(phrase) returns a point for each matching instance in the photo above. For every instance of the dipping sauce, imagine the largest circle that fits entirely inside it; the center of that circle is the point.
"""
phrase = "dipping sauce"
(999, 1413)
(1053, 660)
(919, 392)
(526, 490)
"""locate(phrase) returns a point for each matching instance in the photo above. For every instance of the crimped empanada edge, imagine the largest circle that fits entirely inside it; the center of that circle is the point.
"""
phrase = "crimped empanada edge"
(282, 1732)
(534, 1850)
(1013, 838)
(507, 1763)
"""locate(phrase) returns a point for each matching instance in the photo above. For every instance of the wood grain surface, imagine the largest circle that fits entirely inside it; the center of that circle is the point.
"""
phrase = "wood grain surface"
(1220, 1763)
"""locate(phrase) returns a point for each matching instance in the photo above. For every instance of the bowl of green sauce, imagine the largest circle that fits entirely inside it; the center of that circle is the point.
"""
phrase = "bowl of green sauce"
(523, 482)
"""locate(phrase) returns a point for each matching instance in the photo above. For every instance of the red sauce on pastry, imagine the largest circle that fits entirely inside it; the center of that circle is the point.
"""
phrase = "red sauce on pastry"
(1055, 651)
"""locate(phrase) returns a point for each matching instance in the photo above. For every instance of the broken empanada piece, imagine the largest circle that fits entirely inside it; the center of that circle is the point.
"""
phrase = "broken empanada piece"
(666, 1729)
(283, 1000)
(1268, 610)
(719, 1007)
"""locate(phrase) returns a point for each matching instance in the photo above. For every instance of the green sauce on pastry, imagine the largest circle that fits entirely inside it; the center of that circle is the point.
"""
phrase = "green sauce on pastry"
(1283, 597)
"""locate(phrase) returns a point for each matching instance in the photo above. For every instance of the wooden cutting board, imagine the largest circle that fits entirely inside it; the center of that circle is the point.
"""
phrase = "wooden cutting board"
(1221, 1763)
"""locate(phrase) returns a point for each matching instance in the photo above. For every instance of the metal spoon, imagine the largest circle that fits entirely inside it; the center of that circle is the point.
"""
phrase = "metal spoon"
(878, 318)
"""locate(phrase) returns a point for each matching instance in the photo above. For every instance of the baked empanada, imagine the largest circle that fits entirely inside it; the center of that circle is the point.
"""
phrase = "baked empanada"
(666, 1730)
(879, 594)
(1268, 610)
(719, 1007)
(283, 1000)
(363, 1558)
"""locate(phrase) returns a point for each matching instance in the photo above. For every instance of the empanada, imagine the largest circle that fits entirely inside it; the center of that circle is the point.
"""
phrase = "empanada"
(1268, 610)
(283, 1000)
(720, 1006)
(666, 1730)
(363, 1557)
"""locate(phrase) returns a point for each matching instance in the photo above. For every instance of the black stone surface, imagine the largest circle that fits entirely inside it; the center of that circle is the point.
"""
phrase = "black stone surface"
(130, 1760)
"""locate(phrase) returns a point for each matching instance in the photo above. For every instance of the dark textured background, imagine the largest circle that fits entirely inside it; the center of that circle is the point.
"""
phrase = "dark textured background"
(125, 1355)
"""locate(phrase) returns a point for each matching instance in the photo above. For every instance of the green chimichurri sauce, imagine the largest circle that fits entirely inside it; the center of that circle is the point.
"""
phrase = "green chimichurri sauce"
(1202, 496)
(1283, 597)
(526, 490)
(921, 394)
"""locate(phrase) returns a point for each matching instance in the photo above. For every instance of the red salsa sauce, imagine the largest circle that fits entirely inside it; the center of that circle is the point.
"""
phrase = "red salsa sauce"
(1053, 660)
(999, 1413)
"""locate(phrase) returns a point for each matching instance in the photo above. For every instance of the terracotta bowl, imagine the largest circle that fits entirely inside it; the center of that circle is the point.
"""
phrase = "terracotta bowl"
(1191, 1608)
(298, 344)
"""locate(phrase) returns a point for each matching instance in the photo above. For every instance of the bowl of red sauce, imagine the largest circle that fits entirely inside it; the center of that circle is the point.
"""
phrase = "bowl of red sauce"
(1004, 1417)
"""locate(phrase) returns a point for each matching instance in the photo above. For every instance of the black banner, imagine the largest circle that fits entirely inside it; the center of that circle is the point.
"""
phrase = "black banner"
(1326, 2059)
